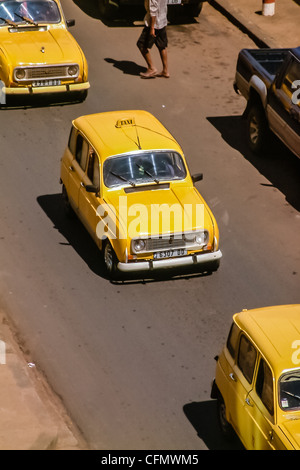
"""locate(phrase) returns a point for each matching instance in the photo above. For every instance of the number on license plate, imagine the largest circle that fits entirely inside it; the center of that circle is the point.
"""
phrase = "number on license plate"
(169, 253)
(46, 82)
(174, 2)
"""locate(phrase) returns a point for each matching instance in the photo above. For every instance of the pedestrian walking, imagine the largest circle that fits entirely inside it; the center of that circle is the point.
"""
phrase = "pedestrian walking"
(155, 32)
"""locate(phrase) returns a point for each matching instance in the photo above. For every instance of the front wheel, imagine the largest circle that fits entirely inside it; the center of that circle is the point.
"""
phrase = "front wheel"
(107, 10)
(110, 260)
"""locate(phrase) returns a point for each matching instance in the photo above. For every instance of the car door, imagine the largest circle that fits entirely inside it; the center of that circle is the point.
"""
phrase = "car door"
(241, 379)
(77, 169)
(284, 109)
(89, 193)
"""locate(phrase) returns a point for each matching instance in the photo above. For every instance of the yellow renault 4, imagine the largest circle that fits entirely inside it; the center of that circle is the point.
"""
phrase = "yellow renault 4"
(257, 382)
(38, 54)
(127, 179)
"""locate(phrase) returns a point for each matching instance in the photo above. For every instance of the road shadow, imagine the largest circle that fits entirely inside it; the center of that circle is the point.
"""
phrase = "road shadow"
(126, 66)
(278, 165)
(128, 15)
(203, 417)
(79, 239)
(42, 101)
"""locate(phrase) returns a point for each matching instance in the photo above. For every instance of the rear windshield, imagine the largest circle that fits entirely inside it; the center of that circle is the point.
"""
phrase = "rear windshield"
(30, 11)
(143, 168)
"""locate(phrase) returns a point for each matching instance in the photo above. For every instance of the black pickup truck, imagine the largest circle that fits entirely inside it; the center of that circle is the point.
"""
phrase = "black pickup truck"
(269, 79)
(176, 8)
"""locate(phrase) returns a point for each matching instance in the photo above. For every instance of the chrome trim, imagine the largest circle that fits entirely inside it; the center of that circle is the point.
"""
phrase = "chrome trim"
(190, 260)
(32, 72)
(171, 241)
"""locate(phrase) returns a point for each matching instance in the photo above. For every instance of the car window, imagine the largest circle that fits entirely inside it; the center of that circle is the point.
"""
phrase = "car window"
(264, 386)
(38, 11)
(289, 391)
(291, 78)
(93, 171)
(246, 358)
(81, 152)
(72, 140)
(143, 168)
(232, 341)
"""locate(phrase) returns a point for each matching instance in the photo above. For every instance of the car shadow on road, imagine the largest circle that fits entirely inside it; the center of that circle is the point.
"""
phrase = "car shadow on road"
(79, 239)
(203, 417)
(126, 16)
(278, 164)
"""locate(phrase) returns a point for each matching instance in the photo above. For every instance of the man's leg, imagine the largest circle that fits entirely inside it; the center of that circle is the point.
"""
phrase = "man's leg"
(144, 44)
(164, 59)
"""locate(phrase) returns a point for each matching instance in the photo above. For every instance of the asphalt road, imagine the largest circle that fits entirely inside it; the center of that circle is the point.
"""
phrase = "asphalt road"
(133, 362)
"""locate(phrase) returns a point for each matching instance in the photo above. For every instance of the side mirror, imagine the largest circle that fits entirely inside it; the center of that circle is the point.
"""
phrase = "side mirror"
(197, 177)
(91, 188)
(70, 23)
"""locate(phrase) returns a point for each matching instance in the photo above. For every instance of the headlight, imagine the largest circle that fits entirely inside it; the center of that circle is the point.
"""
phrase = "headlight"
(73, 70)
(20, 74)
(138, 245)
(198, 238)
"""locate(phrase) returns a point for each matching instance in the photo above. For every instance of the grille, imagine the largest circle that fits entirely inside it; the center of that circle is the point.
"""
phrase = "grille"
(154, 244)
(38, 73)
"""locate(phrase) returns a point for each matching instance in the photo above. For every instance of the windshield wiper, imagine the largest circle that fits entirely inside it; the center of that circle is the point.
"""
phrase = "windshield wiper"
(28, 20)
(122, 178)
(147, 172)
(9, 22)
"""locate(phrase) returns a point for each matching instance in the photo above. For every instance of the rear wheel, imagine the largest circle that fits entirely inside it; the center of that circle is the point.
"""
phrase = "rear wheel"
(67, 206)
(225, 426)
(257, 128)
(178, 12)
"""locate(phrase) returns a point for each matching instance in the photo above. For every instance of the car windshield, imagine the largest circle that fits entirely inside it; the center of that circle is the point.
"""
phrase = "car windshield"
(32, 11)
(289, 391)
(143, 168)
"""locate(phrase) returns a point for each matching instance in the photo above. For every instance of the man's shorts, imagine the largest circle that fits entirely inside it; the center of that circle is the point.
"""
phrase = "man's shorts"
(146, 41)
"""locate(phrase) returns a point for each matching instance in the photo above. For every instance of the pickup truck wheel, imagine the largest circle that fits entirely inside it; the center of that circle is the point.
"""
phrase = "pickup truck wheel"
(225, 426)
(107, 10)
(257, 128)
(110, 260)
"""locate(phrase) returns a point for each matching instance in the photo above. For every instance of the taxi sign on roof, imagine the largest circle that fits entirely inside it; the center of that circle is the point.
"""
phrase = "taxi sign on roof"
(125, 122)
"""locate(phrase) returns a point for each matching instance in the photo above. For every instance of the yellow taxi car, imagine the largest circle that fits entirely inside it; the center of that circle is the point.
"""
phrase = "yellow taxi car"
(257, 382)
(38, 54)
(126, 178)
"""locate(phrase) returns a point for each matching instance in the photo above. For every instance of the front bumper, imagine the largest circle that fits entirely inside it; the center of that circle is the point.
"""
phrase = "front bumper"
(190, 260)
(29, 90)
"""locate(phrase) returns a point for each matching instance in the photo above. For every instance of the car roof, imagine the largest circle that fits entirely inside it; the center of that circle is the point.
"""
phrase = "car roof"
(273, 330)
(119, 132)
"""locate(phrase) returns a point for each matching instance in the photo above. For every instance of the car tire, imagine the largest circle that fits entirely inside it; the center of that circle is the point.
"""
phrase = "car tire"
(110, 260)
(257, 129)
(225, 426)
(69, 213)
(107, 10)
(177, 12)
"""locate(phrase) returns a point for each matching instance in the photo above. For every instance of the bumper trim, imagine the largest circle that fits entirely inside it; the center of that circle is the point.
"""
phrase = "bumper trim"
(46, 89)
(190, 260)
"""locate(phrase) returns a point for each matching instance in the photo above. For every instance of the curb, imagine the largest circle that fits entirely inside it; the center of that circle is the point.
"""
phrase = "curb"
(236, 17)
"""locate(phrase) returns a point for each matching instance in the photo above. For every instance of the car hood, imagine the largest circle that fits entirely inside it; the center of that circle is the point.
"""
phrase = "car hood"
(291, 429)
(181, 209)
(25, 47)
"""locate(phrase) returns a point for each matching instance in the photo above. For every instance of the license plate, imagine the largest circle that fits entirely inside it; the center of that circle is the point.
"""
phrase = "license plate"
(169, 253)
(174, 2)
(46, 83)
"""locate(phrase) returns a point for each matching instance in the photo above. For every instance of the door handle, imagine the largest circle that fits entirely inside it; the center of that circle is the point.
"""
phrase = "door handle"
(248, 401)
(71, 168)
(82, 185)
(232, 376)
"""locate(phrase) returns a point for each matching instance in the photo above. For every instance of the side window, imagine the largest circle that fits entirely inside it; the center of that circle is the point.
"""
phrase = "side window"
(72, 140)
(232, 341)
(93, 171)
(246, 358)
(291, 79)
(264, 386)
(81, 153)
